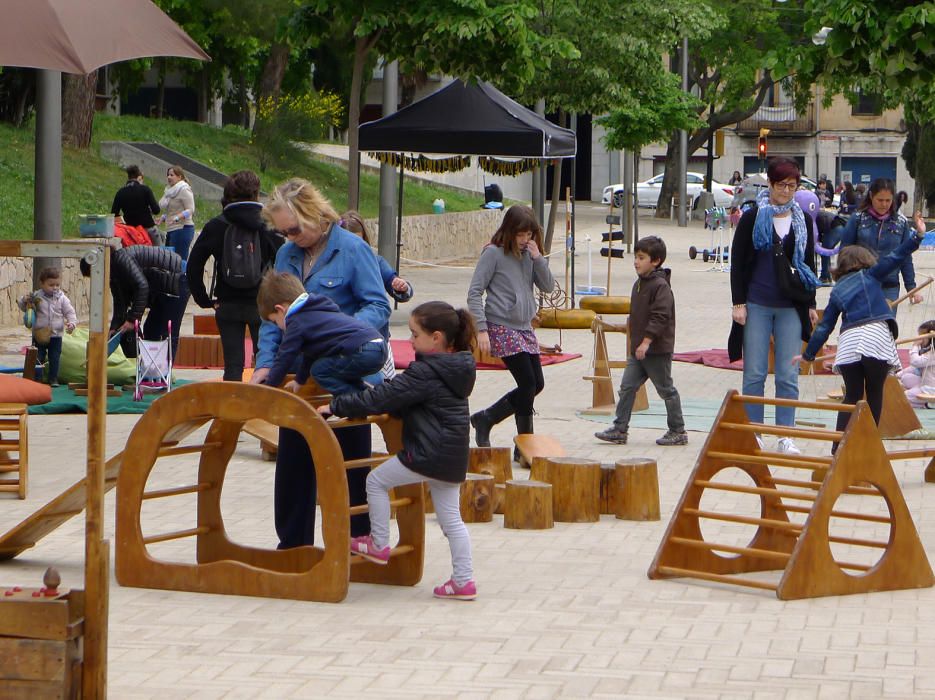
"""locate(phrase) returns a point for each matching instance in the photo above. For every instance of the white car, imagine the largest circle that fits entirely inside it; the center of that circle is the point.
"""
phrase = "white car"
(648, 192)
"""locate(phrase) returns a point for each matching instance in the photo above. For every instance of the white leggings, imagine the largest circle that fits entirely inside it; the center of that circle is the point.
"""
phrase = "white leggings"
(446, 497)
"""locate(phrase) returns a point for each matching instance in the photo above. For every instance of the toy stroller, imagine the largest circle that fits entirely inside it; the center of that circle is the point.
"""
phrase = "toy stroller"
(153, 364)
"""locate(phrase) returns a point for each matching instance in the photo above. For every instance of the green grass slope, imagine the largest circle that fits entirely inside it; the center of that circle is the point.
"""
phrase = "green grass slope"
(89, 182)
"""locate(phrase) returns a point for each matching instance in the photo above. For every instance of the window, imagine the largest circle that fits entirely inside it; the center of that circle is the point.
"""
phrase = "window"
(866, 105)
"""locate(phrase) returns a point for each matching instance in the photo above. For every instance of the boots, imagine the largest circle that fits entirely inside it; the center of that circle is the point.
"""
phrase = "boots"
(523, 427)
(484, 420)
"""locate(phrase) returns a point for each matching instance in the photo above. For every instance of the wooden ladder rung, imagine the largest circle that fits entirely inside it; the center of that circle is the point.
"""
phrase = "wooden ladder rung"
(171, 451)
(396, 551)
(177, 491)
(751, 551)
(912, 454)
(365, 462)
(9, 424)
(177, 534)
(350, 422)
(8, 486)
(841, 514)
(773, 459)
(395, 503)
(758, 490)
(598, 379)
(718, 578)
(6, 466)
(727, 517)
(783, 431)
(815, 486)
(9, 444)
(769, 401)
(858, 542)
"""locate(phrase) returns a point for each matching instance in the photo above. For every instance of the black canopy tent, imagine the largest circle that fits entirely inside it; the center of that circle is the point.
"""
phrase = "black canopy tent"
(466, 119)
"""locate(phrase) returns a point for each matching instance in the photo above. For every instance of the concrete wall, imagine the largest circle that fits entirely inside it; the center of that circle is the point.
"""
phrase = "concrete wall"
(154, 170)
(436, 237)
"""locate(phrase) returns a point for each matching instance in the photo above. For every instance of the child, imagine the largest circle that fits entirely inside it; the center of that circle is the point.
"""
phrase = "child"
(651, 339)
(338, 349)
(866, 349)
(432, 398)
(508, 268)
(395, 286)
(917, 377)
(54, 313)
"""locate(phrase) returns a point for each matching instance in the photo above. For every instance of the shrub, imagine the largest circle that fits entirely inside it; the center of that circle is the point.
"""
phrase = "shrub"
(281, 121)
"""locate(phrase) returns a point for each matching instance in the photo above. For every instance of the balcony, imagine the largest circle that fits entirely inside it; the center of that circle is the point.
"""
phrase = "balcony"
(780, 120)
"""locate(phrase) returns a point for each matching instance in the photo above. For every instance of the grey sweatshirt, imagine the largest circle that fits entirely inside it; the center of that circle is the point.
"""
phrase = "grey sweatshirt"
(508, 281)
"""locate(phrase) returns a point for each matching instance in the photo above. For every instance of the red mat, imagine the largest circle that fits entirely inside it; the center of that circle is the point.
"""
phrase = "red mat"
(403, 354)
(717, 358)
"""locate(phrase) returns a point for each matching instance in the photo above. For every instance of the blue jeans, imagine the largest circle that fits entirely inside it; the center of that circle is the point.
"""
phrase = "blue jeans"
(892, 294)
(181, 239)
(342, 374)
(785, 328)
(52, 351)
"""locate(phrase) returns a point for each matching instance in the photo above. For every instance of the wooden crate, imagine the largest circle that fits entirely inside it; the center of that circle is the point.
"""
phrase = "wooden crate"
(41, 644)
(200, 351)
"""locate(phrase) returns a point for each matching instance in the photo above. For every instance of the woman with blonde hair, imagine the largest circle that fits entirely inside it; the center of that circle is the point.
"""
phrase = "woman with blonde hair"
(178, 204)
(333, 262)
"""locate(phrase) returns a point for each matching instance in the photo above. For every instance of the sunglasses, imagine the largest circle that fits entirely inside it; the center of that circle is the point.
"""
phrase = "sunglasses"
(323, 225)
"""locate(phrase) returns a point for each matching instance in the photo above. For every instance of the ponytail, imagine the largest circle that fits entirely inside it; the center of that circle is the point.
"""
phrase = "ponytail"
(457, 325)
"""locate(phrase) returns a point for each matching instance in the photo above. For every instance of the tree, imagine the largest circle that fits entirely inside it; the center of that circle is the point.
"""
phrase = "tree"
(479, 39)
(78, 96)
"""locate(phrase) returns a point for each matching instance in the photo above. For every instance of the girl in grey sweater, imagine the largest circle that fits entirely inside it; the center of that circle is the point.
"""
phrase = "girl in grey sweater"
(507, 270)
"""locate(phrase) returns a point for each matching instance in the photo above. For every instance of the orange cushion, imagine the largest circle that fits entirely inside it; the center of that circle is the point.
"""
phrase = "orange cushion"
(19, 390)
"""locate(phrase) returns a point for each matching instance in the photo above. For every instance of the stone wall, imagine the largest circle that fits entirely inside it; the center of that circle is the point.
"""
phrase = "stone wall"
(435, 237)
(16, 280)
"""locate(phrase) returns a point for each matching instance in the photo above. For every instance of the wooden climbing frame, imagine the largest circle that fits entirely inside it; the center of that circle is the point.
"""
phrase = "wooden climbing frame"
(802, 552)
(14, 471)
(224, 566)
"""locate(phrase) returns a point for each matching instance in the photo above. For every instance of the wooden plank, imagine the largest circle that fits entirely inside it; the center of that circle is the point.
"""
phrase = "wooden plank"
(32, 659)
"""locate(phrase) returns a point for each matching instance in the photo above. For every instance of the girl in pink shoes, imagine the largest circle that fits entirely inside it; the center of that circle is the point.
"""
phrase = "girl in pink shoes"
(431, 396)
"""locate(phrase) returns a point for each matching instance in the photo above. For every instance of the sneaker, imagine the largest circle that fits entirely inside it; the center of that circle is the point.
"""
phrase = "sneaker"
(612, 435)
(451, 590)
(787, 446)
(363, 546)
(673, 438)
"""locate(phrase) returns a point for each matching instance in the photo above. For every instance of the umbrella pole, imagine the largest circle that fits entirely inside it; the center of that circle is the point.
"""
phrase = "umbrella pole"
(572, 245)
(48, 184)
(399, 220)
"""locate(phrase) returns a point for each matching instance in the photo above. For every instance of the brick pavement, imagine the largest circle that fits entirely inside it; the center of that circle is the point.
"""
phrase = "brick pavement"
(564, 613)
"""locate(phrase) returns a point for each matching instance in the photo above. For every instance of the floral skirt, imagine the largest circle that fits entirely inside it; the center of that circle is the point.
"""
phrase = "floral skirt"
(506, 341)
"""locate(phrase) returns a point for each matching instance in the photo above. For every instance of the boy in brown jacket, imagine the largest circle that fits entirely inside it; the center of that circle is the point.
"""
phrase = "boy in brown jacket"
(651, 340)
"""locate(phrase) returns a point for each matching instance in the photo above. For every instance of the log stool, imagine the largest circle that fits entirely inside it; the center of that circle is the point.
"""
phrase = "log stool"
(14, 468)
(527, 505)
(637, 489)
(497, 462)
(576, 489)
(477, 494)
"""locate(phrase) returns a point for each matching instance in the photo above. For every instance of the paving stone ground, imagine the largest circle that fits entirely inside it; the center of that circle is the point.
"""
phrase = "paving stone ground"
(561, 613)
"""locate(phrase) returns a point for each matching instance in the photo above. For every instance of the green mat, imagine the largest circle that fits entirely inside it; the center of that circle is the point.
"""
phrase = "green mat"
(700, 414)
(64, 400)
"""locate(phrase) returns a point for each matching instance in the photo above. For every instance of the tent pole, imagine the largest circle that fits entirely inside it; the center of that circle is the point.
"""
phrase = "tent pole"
(399, 219)
(573, 198)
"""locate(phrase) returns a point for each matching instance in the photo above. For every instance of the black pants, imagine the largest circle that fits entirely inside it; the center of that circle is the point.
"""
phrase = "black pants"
(867, 376)
(527, 373)
(233, 319)
(163, 309)
(296, 487)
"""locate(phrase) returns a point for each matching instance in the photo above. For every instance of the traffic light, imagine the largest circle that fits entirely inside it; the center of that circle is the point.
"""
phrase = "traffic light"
(761, 149)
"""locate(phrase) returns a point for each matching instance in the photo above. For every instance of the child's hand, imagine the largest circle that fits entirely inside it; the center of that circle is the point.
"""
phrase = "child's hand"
(920, 223)
(324, 410)
(533, 250)
(292, 385)
(796, 360)
(69, 328)
(399, 285)
(641, 349)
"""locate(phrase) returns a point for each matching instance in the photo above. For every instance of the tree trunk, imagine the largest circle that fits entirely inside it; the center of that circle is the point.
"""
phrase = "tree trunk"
(204, 91)
(670, 183)
(78, 109)
(273, 71)
(244, 102)
(361, 47)
(161, 90)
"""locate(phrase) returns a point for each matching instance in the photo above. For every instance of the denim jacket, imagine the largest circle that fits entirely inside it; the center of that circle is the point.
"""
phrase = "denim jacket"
(858, 296)
(346, 272)
(882, 237)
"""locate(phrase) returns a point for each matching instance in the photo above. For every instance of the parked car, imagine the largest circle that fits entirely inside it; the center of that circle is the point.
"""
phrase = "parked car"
(647, 192)
(752, 183)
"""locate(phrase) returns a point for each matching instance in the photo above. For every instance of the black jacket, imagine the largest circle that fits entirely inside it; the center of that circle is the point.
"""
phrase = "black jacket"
(431, 396)
(210, 243)
(652, 313)
(742, 254)
(137, 203)
(139, 273)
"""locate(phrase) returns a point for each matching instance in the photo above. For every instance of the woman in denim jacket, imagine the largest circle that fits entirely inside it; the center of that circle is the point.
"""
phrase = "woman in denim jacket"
(337, 264)
(878, 226)
(866, 344)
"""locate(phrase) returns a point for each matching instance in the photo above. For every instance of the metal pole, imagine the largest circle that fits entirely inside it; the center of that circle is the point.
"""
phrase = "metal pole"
(837, 167)
(48, 189)
(626, 219)
(387, 172)
(538, 206)
(683, 146)
(574, 196)
(399, 218)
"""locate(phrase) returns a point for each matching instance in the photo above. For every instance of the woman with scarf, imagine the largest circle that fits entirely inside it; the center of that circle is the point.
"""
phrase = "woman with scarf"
(178, 202)
(761, 311)
(877, 225)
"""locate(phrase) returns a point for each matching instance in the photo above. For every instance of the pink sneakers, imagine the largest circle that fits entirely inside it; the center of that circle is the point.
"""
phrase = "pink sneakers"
(451, 590)
(363, 546)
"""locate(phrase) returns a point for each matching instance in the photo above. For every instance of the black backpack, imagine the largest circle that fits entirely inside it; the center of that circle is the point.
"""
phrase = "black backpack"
(241, 265)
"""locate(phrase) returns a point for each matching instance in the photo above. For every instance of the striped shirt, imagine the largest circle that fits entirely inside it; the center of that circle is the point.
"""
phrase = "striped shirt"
(868, 340)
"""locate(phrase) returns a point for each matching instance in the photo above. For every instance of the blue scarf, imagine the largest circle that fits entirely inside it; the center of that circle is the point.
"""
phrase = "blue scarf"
(763, 233)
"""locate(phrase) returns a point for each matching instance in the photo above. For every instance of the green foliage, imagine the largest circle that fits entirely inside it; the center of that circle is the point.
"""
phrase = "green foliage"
(925, 163)
(282, 121)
